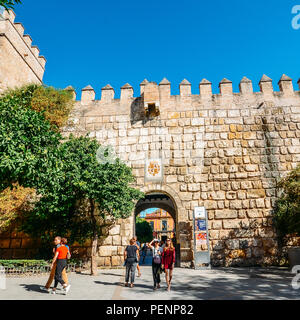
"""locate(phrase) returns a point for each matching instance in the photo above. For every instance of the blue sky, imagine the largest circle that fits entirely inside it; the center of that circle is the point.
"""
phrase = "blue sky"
(151, 210)
(98, 42)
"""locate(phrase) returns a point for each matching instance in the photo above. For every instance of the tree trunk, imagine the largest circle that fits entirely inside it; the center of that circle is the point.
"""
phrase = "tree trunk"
(94, 263)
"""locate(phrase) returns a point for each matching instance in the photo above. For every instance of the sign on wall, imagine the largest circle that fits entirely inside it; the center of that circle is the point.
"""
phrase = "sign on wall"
(154, 170)
(201, 238)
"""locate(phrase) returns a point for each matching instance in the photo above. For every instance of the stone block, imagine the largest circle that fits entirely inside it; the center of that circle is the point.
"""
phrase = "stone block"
(116, 240)
(4, 243)
(226, 214)
(107, 241)
(231, 224)
(107, 261)
(235, 254)
(115, 230)
(116, 261)
(217, 225)
(260, 203)
(105, 251)
(15, 243)
(28, 243)
(232, 244)
(236, 204)
(121, 251)
(256, 193)
(254, 213)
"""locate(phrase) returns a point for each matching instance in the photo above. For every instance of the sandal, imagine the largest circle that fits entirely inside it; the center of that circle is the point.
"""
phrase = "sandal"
(131, 285)
(126, 284)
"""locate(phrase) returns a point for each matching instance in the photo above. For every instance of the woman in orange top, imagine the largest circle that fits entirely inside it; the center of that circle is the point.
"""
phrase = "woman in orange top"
(57, 242)
(61, 259)
(168, 261)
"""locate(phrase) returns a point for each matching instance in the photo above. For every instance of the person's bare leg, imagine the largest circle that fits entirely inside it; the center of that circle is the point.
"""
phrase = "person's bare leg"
(167, 278)
(170, 279)
(139, 270)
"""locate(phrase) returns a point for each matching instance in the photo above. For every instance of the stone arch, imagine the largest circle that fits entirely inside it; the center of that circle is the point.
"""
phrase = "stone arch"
(176, 212)
(165, 189)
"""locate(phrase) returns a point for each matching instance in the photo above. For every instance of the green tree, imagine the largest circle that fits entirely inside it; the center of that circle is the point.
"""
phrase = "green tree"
(28, 142)
(143, 230)
(287, 209)
(85, 196)
(77, 195)
(9, 4)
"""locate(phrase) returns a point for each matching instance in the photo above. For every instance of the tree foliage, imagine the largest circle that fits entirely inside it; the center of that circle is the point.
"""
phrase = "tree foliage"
(77, 195)
(9, 4)
(143, 230)
(12, 203)
(77, 181)
(84, 197)
(56, 105)
(27, 141)
(287, 209)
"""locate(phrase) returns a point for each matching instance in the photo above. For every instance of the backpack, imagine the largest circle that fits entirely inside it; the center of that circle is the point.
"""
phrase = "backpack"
(157, 259)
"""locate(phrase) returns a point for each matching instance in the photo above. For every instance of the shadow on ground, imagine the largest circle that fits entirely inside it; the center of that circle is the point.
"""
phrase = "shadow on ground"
(232, 284)
(33, 287)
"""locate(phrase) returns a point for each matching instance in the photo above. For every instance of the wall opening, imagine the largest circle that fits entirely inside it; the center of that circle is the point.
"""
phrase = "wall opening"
(159, 212)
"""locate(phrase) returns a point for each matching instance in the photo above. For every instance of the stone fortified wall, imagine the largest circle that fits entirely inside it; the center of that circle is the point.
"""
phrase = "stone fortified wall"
(20, 61)
(223, 151)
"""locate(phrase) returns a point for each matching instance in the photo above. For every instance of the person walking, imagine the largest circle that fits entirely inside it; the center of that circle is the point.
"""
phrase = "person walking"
(168, 261)
(57, 243)
(144, 251)
(138, 244)
(131, 257)
(60, 258)
(156, 262)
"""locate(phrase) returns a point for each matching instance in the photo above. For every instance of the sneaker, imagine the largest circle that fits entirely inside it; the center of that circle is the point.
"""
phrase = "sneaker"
(67, 288)
(154, 288)
(53, 291)
(45, 289)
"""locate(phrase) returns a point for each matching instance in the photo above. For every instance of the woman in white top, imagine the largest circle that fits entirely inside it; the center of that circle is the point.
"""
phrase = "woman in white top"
(156, 262)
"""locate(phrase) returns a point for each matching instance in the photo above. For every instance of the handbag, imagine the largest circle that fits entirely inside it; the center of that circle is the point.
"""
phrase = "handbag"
(157, 259)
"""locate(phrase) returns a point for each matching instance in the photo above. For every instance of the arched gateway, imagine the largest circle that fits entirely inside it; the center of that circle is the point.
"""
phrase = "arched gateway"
(164, 197)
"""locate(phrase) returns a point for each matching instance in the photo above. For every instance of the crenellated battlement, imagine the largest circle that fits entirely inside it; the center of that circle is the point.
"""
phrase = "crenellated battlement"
(21, 61)
(160, 94)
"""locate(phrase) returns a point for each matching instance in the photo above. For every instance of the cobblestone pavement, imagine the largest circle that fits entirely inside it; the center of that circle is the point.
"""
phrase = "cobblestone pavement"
(188, 284)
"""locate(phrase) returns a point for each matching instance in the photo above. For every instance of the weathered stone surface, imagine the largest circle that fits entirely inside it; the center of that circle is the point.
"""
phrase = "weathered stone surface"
(115, 230)
(225, 152)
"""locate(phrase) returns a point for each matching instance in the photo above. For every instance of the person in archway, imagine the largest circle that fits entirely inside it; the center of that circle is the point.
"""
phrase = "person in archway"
(156, 262)
(131, 257)
(168, 261)
(144, 251)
